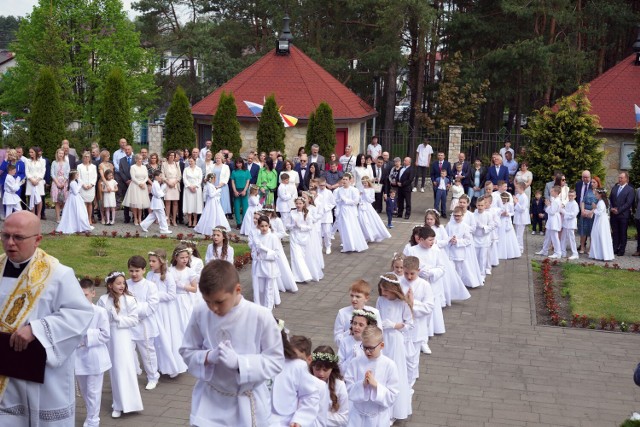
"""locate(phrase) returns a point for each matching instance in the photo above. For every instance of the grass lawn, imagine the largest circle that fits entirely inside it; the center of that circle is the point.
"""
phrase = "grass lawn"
(80, 252)
(598, 292)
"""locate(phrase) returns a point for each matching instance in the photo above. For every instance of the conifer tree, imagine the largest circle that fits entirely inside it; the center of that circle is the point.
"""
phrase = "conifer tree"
(115, 112)
(310, 138)
(324, 130)
(225, 133)
(564, 140)
(270, 128)
(634, 172)
(46, 124)
(179, 123)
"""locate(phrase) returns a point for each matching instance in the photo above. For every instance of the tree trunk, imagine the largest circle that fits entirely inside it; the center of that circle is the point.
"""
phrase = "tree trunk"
(390, 89)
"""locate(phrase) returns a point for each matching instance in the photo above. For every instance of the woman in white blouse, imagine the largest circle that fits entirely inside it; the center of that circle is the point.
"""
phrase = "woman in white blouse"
(59, 181)
(87, 178)
(137, 197)
(172, 177)
(35, 169)
(208, 164)
(289, 168)
(192, 201)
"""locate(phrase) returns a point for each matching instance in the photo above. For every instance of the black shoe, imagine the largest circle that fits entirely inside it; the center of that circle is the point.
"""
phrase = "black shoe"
(399, 215)
(443, 216)
(406, 217)
(127, 221)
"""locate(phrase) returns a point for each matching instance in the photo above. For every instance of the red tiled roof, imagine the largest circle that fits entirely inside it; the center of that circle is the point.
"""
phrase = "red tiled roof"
(613, 93)
(6, 56)
(298, 83)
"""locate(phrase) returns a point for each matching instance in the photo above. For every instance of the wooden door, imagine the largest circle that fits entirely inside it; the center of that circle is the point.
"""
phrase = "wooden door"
(342, 136)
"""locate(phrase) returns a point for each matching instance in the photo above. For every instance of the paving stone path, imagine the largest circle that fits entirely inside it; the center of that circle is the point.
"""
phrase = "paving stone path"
(493, 367)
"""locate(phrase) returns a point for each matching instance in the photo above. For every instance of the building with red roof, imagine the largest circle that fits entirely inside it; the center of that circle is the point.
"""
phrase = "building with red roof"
(612, 96)
(299, 85)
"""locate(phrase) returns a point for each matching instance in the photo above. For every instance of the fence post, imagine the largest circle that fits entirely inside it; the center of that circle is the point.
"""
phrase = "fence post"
(155, 138)
(455, 143)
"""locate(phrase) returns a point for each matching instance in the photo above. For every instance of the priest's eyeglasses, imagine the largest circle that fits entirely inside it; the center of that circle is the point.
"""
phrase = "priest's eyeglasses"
(16, 237)
(368, 349)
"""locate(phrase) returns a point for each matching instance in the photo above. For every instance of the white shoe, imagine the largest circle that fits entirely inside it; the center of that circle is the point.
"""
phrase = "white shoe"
(543, 253)
(422, 190)
(327, 251)
(145, 230)
(425, 348)
(164, 231)
(533, 233)
(572, 257)
(151, 385)
(116, 414)
(91, 227)
(414, 190)
(553, 256)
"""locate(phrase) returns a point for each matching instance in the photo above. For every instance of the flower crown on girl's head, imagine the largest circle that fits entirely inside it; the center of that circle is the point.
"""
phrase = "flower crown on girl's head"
(324, 357)
(179, 251)
(432, 211)
(369, 315)
(348, 175)
(189, 242)
(390, 280)
(114, 275)
(299, 198)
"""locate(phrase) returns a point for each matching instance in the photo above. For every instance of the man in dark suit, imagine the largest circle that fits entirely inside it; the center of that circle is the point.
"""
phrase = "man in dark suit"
(497, 172)
(620, 201)
(436, 168)
(302, 168)
(582, 187)
(405, 183)
(277, 164)
(253, 168)
(182, 163)
(380, 176)
(124, 172)
(464, 173)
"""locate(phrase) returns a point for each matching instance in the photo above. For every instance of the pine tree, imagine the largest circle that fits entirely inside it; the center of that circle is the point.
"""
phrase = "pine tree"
(115, 113)
(634, 172)
(226, 128)
(564, 140)
(46, 124)
(179, 123)
(324, 130)
(310, 138)
(270, 128)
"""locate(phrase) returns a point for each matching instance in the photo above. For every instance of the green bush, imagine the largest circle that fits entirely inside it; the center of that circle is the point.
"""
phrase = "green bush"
(270, 128)
(179, 123)
(323, 130)
(225, 132)
(114, 120)
(46, 122)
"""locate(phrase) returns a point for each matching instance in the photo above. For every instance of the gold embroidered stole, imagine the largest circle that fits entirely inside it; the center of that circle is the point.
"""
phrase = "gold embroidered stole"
(24, 297)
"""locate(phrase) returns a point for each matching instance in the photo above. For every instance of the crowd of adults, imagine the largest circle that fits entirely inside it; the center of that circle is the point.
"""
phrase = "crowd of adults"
(185, 171)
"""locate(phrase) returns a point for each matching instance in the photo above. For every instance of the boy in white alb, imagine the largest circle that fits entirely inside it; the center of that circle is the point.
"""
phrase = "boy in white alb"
(157, 205)
(10, 198)
(521, 217)
(232, 347)
(287, 193)
(325, 201)
(145, 332)
(482, 233)
(554, 224)
(359, 294)
(302, 347)
(420, 296)
(569, 225)
(372, 383)
(92, 357)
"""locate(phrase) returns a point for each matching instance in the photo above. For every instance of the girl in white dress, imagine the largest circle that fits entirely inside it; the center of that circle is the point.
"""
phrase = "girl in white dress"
(461, 250)
(300, 225)
(74, 215)
(192, 200)
(324, 366)
(371, 224)
(347, 200)
(266, 246)
(35, 168)
(195, 260)
(212, 214)
(137, 196)
(169, 337)
(457, 190)
(123, 315)
(397, 320)
(360, 171)
(277, 226)
(220, 248)
(351, 344)
(286, 281)
(315, 257)
(601, 241)
(508, 246)
(254, 206)
(186, 283)
(109, 189)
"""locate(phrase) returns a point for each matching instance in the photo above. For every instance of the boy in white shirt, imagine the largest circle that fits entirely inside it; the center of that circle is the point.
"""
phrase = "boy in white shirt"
(569, 225)
(157, 205)
(92, 357)
(325, 202)
(554, 224)
(287, 193)
(482, 233)
(10, 198)
(232, 347)
(145, 332)
(521, 216)
(359, 294)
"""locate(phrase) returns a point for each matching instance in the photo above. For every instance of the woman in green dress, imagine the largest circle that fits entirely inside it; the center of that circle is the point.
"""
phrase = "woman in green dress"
(267, 182)
(240, 180)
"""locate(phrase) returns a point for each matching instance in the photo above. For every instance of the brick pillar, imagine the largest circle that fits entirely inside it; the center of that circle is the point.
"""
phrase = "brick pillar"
(154, 135)
(455, 143)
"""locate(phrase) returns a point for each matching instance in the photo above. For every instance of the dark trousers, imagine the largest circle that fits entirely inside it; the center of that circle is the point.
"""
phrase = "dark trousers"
(377, 203)
(404, 200)
(619, 227)
(421, 172)
(441, 202)
(537, 223)
(389, 217)
(122, 191)
(637, 221)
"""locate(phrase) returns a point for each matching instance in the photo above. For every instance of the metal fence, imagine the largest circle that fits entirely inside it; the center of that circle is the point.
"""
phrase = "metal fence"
(399, 143)
(480, 144)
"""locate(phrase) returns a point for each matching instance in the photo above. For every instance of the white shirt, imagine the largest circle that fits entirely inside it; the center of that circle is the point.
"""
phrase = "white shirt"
(374, 150)
(347, 162)
(117, 155)
(424, 154)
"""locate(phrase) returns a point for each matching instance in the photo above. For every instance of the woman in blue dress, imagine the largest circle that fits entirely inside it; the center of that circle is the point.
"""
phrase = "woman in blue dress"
(223, 173)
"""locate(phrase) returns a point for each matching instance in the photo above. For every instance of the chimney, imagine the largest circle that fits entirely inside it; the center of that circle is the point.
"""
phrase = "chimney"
(636, 46)
(284, 41)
